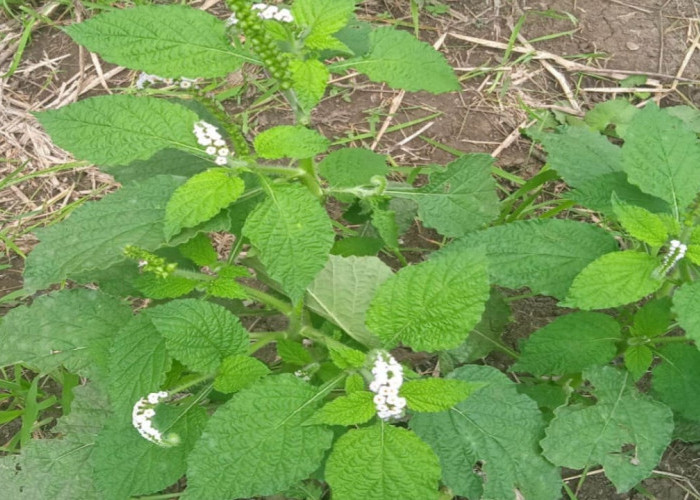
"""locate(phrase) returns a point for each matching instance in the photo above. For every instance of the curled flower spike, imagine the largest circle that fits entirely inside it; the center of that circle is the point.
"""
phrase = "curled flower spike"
(676, 252)
(209, 136)
(142, 419)
(388, 377)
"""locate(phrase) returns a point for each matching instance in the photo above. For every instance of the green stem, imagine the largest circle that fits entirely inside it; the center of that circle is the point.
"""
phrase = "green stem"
(190, 383)
(667, 340)
(268, 299)
(310, 178)
(313, 334)
(264, 339)
(582, 479)
(274, 170)
(160, 497)
(518, 297)
(300, 116)
(193, 275)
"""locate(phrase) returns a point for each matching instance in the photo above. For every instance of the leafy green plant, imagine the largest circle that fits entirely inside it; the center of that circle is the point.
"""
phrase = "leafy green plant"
(179, 384)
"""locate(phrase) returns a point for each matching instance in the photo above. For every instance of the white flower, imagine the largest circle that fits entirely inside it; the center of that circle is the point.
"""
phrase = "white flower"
(209, 136)
(388, 377)
(142, 419)
(676, 252)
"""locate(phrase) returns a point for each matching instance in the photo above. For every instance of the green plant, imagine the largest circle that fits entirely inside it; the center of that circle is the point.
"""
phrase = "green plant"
(178, 385)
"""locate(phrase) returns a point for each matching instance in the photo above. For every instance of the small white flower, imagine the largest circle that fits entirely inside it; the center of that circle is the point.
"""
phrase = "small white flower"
(185, 84)
(218, 142)
(142, 419)
(223, 152)
(388, 377)
(676, 252)
(211, 150)
(221, 160)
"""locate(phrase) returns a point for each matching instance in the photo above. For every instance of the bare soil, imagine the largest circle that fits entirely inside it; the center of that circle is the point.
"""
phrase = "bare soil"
(613, 39)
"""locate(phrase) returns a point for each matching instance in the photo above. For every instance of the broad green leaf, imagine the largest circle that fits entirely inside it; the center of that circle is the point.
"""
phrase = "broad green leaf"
(615, 279)
(685, 305)
(164, 162)
(402, 61)
(342, 292)
(138, 363)
(460, 198)
(354, 409)
(432, 305)
(61, 468)
(382, 462)
(547, 395)
(625, 431)
(118, 129)
(597, 194)
(168, 40)
(435, 394)
(320, 19)
(199, 250)
(293, 234)
(199, 333)
(225, 284)
(201, 198)
(638, 359)
(345, 357)
(579, 154)
(688, 115)
(384, 221)
(258, 440)
(652, 319)
(569, 344)
(355, 36)
(238, 372)
(676, 380)
(485, 336)
(349, 167)
(167, 287)
(354, 383)
(293, 352)
(660, 155)
(617, 112)
(488, 443)
(641, 224)
(73, 328)
(95, 234)
(357, 246)
(686, 430)
(223, 221)
(126, 464)
(290, 141)
(693, 252)
(309, 80)
(545, 255)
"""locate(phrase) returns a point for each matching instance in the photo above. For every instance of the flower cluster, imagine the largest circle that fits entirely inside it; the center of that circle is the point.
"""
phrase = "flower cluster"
(209, 137)
(675, 253)
(388, 377)
(142, 418)
(150, 262)
(266, 12)
(251, 21)
(145, 78)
